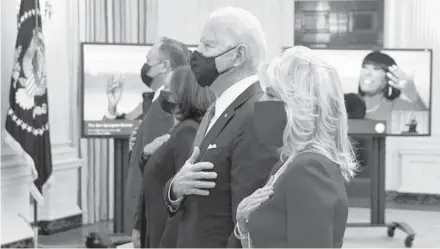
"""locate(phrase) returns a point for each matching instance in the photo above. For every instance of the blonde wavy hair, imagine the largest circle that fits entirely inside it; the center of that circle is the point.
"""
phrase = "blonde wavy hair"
(314, 102)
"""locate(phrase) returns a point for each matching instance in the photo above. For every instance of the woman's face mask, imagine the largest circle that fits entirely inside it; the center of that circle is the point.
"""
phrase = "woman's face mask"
(270, 121)
(166, 103)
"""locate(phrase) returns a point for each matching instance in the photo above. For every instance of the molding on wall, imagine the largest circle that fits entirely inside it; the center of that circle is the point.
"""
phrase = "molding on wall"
(419, 171)
(13, 169)
(401, 147)
(24, 243)
(419, 152)
(409, 198)
(62, 191)
(63, 152)
(15, 213)
(59, 225)
(420, 143)
(7, 152)
(67, 163)
(15, 173)
(72, 22)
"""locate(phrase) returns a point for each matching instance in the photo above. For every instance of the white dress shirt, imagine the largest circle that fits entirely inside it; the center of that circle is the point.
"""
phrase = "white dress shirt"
(157, 93)
(229, 95)
(221, 104)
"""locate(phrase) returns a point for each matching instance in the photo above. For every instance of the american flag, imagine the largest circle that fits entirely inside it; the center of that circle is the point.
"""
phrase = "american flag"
(27, 120)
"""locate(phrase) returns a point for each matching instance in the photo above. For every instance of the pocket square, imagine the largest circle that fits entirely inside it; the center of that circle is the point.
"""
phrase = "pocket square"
(212, 146)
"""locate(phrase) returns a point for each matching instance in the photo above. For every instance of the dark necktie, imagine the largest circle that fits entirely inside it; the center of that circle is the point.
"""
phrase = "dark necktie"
(203, 127)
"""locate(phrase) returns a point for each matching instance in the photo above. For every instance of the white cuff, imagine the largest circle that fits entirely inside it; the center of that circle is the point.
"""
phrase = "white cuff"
(110, 116)
(174, 204)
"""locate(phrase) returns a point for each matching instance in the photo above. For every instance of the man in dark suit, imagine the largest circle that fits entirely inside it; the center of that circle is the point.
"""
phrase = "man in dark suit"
(163, 57)
(228, 162)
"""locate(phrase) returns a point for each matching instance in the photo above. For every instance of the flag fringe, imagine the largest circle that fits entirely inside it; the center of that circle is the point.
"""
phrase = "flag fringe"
(36, 194)
(16, 147)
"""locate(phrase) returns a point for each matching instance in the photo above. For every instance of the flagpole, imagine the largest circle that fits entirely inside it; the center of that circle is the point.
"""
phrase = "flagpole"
(35, 228)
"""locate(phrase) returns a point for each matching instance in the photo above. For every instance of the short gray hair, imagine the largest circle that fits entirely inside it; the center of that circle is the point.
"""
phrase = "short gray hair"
(244, 28)
(175, 51)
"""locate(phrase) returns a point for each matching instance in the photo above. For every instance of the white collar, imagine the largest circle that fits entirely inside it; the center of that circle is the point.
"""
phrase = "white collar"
(157, 93)
(232, 93)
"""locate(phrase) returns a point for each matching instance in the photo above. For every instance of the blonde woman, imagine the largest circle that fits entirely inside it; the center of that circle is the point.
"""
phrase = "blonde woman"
(304, 203)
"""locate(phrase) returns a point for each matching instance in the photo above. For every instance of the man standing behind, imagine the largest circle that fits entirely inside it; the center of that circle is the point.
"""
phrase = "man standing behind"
(163, 57)
(231, 163)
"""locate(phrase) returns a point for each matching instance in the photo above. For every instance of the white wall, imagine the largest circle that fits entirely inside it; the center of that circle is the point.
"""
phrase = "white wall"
(276, 17)
(15, 177)
(61, 196)
(413, 164)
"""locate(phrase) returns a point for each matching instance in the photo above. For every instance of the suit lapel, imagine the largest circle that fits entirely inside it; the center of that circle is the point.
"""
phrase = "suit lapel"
(217, 128)
(227, 115)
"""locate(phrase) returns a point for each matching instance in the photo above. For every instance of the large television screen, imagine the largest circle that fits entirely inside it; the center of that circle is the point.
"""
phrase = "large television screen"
(394, 86)
(111, 79)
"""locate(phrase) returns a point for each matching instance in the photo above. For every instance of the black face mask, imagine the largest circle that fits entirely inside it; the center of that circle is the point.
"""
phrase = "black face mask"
(270, 120)
(167, 105)
(144, 75)
(205, 69)
(148, 80)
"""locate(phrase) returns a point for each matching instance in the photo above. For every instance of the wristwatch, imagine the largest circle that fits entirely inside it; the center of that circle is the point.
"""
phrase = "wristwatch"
(115, 116)
(111, 116)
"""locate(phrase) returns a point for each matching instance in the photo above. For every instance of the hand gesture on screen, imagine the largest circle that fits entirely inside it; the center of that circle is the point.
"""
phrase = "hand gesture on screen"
(150, 148)
(192, 178)
(402, 81)
(253, 201)
(114, 92)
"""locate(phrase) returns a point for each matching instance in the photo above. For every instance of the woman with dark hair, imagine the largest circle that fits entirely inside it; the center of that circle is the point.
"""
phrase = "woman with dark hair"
(385, 88)
(187, 102)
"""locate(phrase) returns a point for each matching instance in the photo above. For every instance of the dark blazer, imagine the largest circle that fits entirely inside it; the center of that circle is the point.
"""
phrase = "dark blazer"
(308, 208)
(161, 230)
(242, 164)
(155, 123)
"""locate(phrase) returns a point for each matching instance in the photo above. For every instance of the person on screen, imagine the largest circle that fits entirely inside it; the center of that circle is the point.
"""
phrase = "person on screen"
(164, 56)
(412, 125)
(187, 102)
(385, 88)
(115, 88)
(304, 203)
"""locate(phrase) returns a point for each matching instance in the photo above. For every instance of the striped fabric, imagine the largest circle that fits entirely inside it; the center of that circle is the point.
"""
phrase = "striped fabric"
(118, 21)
